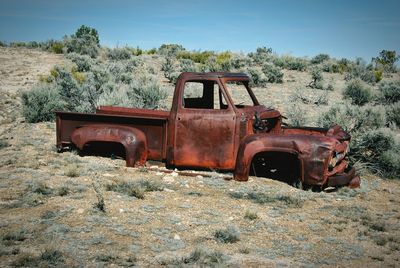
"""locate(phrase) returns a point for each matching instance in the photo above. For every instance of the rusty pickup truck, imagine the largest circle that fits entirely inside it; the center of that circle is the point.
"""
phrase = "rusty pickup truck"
(215, 123)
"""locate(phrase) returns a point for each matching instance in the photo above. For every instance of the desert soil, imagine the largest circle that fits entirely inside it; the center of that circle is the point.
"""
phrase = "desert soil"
(50, 216)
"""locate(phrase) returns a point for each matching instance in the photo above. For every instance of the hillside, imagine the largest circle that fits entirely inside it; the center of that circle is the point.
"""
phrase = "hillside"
(50, 203)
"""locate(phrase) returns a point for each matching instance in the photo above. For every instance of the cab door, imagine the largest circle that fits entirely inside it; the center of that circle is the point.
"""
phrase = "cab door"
(205, 127)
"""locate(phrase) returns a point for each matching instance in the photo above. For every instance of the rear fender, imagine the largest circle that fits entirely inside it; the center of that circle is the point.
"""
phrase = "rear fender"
(133, 140)
(254, 144)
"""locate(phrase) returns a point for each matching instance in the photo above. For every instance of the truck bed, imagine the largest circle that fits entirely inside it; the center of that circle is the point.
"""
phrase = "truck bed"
(153, 124)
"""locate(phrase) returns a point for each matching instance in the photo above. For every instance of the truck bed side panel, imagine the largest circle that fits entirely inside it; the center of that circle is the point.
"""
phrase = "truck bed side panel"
(154, 128)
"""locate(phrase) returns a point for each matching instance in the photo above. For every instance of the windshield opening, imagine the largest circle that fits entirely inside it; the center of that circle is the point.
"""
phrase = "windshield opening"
(241, 94)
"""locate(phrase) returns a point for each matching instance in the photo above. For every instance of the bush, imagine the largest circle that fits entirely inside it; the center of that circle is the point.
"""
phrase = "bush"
(148, 90)
(358, 92)
(380, 149)
(317, 78)
(229, 235)
(119, 54)
(273, 74)
(290, 63)
(387, 60)
(262, 55)
(3, 44)
(257, 77)
(85, 41)
(239, 61)
(296, 115)
(320, 58)
(390, 92)
(187, 65)
(83, 62)
(170, 49)
(168, 67)
(354, 118)
(393, 114)
(196, 56)
(40, 103)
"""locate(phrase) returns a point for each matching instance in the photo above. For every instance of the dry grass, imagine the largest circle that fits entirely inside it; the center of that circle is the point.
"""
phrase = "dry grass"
(42, 205)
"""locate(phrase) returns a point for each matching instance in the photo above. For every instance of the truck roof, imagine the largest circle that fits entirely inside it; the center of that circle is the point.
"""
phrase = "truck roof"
(195, 75)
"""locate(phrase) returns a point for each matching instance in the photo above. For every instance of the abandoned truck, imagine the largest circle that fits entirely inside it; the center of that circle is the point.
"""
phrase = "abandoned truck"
(217, 123)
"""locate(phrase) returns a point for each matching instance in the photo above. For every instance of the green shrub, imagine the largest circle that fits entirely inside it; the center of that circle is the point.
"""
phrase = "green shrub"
(257, 77)
(290, 63)
(57, 47)
(380, 149)
(85, 41)
(387, 60)
(170, 49)
(196, 56)
(229, 235)
(273, 74)
(320, 58)
(148, 89)
(297, 116)
(83, 62)
(239, 61)
(317, 78)
(390, 92)
(262, 55)
(187, 65)
(393, 114)
(354, 118)
(40, 103)
(358, 92)
(119, 53)
(169, 69)
(3, 44)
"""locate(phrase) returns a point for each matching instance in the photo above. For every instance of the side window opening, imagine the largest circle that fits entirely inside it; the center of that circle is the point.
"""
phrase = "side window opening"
(203, 95)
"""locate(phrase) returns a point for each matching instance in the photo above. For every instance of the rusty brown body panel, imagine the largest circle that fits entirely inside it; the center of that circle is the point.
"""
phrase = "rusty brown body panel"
(211, 131)
(134, 140)
(154, 129)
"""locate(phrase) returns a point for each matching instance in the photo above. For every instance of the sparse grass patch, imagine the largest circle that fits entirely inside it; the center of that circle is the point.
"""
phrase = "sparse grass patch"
(40, 188)
(229, 235)
(63, 191)
(17, 235)
(48, 258)
(100, 204)
(135, 188)
(294, 200)
(199, 257)
(250, 215)
(72, 171)
(3, 144)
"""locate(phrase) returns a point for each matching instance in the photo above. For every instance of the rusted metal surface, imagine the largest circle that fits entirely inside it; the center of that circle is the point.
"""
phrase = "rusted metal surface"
(211, 131)
(133, 140)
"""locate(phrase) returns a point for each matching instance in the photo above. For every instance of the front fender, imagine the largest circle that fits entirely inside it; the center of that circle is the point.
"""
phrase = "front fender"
(312, 151)
(133, 140)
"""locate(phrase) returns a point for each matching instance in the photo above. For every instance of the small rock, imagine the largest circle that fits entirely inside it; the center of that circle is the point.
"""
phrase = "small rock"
(168, 179)
(159, 173)
(174, 174)
(168, 190)
(121, 210)
(177, 237)
(80, 211)
(200, 178)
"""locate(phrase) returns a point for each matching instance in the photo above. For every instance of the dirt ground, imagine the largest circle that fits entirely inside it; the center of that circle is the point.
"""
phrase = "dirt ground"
(66, 210)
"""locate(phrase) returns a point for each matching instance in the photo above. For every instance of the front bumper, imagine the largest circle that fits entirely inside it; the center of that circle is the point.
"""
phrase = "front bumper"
(346, 178)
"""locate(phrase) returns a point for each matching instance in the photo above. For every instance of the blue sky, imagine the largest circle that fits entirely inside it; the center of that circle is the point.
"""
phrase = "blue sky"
(301, 28)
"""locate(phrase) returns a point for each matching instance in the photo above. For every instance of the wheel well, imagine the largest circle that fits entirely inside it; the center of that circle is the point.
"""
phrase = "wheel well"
(104, 148)
(282, 166)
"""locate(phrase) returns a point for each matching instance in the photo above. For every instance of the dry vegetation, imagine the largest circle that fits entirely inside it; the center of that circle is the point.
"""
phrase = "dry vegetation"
(66, 210)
